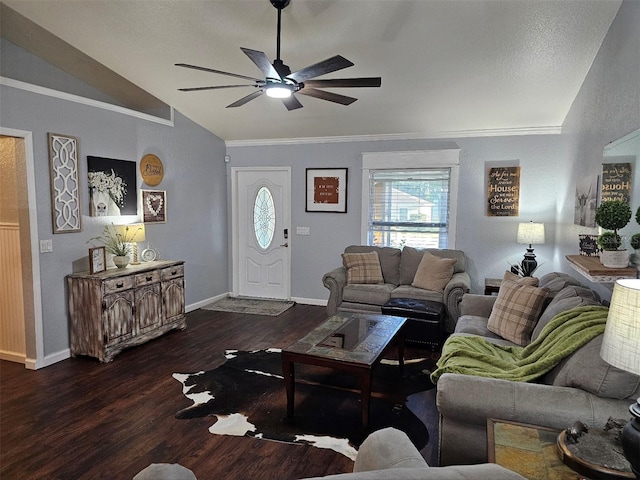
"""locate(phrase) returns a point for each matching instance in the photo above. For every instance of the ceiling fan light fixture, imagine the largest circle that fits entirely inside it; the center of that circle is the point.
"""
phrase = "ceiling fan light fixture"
(278, 91)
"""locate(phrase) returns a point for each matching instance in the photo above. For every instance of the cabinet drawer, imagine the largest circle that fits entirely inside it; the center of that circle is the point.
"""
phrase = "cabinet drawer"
(118, 284)
(172, 272)
(147, 278)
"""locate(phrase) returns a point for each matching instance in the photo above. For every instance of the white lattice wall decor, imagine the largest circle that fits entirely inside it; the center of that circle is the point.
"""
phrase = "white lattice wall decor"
(65, 190)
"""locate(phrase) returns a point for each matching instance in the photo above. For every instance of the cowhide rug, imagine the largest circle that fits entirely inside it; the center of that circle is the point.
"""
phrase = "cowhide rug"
(247, 396)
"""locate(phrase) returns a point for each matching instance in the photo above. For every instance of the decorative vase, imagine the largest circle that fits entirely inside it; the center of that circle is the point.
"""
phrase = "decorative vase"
(614, 258)
(121, 261)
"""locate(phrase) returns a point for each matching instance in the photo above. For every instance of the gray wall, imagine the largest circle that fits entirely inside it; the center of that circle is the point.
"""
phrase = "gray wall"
(606, 108)
(489, 242)
(194, 180)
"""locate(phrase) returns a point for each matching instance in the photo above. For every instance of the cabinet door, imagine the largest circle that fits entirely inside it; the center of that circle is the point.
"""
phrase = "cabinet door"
(148, 308)
(172, 299)
(118, 317)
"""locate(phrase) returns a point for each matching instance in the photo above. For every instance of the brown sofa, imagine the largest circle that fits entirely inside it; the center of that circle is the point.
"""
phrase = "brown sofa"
(398, 269)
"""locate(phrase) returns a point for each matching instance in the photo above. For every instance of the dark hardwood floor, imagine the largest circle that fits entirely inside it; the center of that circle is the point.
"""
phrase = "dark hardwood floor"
(80, 419)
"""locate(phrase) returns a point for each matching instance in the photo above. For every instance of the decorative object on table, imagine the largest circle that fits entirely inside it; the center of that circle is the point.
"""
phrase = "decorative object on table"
(149, 254)
(326, 190)
(112, 187)
(138, 228)
(528, 234)
(616, 182)
(97, 259)
(612, 215)
(503, 192)
(575, 431)
(634, 242)
(154, 206)
(117, 240)
(621, 348)
(151, 170)
(586, 201)
(588, 245)
(65, 189)
(245, 395)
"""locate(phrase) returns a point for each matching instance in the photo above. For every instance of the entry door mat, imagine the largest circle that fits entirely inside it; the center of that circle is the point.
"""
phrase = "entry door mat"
(253, 306)
(247, 397)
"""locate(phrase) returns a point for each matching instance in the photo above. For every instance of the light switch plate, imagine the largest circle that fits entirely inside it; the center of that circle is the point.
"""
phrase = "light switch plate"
(46, 246)
(302, 231)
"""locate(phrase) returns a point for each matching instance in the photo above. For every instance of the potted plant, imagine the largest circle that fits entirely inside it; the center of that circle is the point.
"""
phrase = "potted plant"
(117, 241)
(635, 241)
(612, 215)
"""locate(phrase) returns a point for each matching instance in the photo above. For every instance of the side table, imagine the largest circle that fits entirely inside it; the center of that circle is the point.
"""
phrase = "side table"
(526, 449)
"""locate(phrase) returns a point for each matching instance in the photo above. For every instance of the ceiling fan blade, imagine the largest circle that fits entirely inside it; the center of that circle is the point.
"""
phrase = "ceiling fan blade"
(329, 65)
(262, 62)
(216, 87)
(330, 96)
(345, 82)
(220, 72)
(292, 103)
(243, 100)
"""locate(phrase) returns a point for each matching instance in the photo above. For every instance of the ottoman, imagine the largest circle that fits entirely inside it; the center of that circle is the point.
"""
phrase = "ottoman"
(425, 320)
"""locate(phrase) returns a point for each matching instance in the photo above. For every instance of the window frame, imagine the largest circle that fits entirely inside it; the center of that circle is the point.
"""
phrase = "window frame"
(420, 159)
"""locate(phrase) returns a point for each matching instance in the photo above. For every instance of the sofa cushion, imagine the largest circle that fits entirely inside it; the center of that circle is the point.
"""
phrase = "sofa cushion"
(556, 281)
(363, 267)
(433, 272)
(585, 369)
(411, 257)
(566, 299)
(516, 311)
(389, 260)
(407, 291)
(368, 293)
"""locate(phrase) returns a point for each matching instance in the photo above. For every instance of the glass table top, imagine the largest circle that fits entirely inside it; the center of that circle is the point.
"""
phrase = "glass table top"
(350, 337)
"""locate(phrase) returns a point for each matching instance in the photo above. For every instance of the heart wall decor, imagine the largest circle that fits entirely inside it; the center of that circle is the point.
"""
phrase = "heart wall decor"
(154, 206)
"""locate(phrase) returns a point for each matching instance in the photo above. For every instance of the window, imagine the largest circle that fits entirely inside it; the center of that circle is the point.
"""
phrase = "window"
(412, 204)
(264, 217)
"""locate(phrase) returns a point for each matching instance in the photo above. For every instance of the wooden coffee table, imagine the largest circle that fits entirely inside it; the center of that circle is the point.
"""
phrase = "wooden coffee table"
(352, 342)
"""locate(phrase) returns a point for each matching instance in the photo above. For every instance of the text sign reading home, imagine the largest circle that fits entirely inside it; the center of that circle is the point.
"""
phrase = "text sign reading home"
(503, 192)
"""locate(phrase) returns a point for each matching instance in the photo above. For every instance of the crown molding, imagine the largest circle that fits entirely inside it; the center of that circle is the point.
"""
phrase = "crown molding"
(497, 132)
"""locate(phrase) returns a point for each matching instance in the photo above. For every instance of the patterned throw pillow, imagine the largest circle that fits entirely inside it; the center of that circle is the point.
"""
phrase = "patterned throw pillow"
(363, 267)
(512, 277)
(433, 272)
(516, 311)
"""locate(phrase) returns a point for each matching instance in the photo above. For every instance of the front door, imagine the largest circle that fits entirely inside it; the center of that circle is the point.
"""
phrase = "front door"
(261, 223)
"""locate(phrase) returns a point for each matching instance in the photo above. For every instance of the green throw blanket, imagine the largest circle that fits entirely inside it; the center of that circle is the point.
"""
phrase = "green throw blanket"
(564, 334)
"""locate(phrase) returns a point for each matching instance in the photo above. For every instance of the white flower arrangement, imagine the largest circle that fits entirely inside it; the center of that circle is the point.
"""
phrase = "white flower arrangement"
(111, 183)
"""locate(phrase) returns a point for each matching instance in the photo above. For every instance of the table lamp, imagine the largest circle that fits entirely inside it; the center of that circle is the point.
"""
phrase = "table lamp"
(621, 348)
(138, 236)
(529, 234)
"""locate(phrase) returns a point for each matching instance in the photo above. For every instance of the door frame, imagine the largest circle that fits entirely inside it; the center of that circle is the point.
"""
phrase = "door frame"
(34, 333)
(235, 250)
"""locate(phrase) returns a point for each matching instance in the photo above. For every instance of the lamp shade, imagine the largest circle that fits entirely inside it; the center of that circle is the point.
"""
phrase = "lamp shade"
(531, 233)
(621, 341)
(131, 233)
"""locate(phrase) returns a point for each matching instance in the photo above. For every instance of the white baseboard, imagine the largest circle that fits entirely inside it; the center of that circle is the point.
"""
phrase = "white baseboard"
(310, 301)
(32, 364)
(204, 303)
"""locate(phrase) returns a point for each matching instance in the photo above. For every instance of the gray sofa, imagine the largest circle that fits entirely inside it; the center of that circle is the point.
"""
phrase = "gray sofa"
(385, 454)
(581, 387)
(398, 269)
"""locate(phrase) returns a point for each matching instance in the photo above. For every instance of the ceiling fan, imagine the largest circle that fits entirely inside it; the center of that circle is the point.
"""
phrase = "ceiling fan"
(279, 82)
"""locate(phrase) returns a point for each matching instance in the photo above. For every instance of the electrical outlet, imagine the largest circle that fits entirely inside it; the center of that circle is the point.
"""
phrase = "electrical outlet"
(46, 246)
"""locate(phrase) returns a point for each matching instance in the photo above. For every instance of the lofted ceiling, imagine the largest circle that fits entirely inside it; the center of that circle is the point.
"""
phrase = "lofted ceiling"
(448, 67)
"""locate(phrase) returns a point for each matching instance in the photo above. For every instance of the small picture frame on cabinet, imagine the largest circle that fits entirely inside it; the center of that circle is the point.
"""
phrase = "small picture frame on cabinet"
(97, 260)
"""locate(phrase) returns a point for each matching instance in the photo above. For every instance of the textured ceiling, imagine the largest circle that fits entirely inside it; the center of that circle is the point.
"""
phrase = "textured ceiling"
(447, 66)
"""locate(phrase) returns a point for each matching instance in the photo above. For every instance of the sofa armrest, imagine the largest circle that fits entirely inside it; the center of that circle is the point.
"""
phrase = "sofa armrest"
(466, 402)
(477, 305)
(387, 448)
(335, 281)
(459, 284)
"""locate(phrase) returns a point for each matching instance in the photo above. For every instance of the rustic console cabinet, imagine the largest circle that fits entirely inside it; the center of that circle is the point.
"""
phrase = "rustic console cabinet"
(123, 307)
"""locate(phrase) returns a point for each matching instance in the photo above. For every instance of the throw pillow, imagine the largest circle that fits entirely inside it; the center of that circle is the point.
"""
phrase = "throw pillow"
(512, 277)
(362, 267)
(516, 311)
(433, 272)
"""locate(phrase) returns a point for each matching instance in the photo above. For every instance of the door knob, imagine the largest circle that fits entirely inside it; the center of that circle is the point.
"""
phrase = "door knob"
(284, 245)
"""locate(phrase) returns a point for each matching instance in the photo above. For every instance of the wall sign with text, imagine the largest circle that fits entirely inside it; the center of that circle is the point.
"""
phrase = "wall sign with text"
(326, 190)
(503, 192)
(616, 182)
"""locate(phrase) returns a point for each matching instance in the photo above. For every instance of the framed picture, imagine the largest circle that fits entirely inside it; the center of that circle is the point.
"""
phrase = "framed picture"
(503, 192)
(97, 260)
(326, 190)
(586, 199)
(112, 187)
(154, 206)
(65, 191)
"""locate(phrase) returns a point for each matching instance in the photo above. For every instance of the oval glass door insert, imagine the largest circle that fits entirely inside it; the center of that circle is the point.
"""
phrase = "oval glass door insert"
(264, 217)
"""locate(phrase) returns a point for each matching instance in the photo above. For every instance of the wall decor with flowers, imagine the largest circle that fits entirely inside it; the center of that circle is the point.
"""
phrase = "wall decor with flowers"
(112, 187)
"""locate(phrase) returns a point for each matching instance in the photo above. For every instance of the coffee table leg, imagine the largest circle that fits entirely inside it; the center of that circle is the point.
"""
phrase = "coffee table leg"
(365, 397)
(289, 383)
(400, 341)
